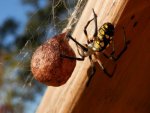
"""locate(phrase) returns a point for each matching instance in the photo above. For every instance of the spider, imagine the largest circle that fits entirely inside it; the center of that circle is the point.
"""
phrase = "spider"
(101, 39)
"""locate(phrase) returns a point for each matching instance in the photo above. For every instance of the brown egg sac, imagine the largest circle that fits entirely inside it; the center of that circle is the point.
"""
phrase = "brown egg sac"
(48, 67)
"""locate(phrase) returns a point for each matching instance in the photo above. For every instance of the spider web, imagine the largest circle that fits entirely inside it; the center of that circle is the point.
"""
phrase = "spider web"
(26, 91)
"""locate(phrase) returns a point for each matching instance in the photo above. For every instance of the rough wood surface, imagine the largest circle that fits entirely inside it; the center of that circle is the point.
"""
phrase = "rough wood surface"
(128, 90)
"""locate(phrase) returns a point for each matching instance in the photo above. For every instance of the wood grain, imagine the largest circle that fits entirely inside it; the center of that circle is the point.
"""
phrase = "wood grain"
(128, 90)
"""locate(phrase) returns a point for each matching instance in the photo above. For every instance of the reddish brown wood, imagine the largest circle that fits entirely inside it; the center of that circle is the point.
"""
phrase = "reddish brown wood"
(128, 90)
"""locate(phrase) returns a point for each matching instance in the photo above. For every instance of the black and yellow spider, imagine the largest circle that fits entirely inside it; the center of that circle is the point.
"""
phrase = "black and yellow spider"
(101, 39)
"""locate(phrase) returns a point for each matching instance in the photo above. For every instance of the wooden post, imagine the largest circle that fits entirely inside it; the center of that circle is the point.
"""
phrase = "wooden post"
(64, 99)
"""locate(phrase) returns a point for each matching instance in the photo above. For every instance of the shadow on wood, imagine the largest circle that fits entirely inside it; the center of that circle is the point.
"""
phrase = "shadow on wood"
(128, 90)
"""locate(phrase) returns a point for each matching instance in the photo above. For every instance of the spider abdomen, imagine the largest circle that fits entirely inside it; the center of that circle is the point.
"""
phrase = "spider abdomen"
(106, 29)
(104, 37)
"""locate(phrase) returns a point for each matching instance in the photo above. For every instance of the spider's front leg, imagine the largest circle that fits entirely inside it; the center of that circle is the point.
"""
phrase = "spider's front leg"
(85, 28)
(73, 57)
(95, 21)
(77, 43)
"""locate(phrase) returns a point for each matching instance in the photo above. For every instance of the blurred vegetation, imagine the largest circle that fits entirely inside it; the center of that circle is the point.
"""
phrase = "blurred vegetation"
(15, 56)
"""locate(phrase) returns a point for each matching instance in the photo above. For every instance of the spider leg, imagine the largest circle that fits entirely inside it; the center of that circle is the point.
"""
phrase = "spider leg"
(112, 55)
(103, 68)
(70, 37)
(95, 20)
(123, 50)
(85, 30)
(92, 71)
(79, 50)
(71, 57)
(113, 51)
(77, 44)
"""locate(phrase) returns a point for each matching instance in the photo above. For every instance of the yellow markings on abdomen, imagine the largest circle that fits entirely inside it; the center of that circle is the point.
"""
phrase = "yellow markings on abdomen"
(105, 25)
(97, 44)
(101, 33)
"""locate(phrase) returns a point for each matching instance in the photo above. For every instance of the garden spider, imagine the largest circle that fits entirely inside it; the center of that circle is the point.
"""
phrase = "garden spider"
(101, 39)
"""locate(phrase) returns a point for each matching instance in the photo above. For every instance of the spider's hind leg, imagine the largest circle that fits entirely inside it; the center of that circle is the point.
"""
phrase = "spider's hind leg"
(124, 48)
(112, 55)
(110, 75)
(104, 69)
(92, 72)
